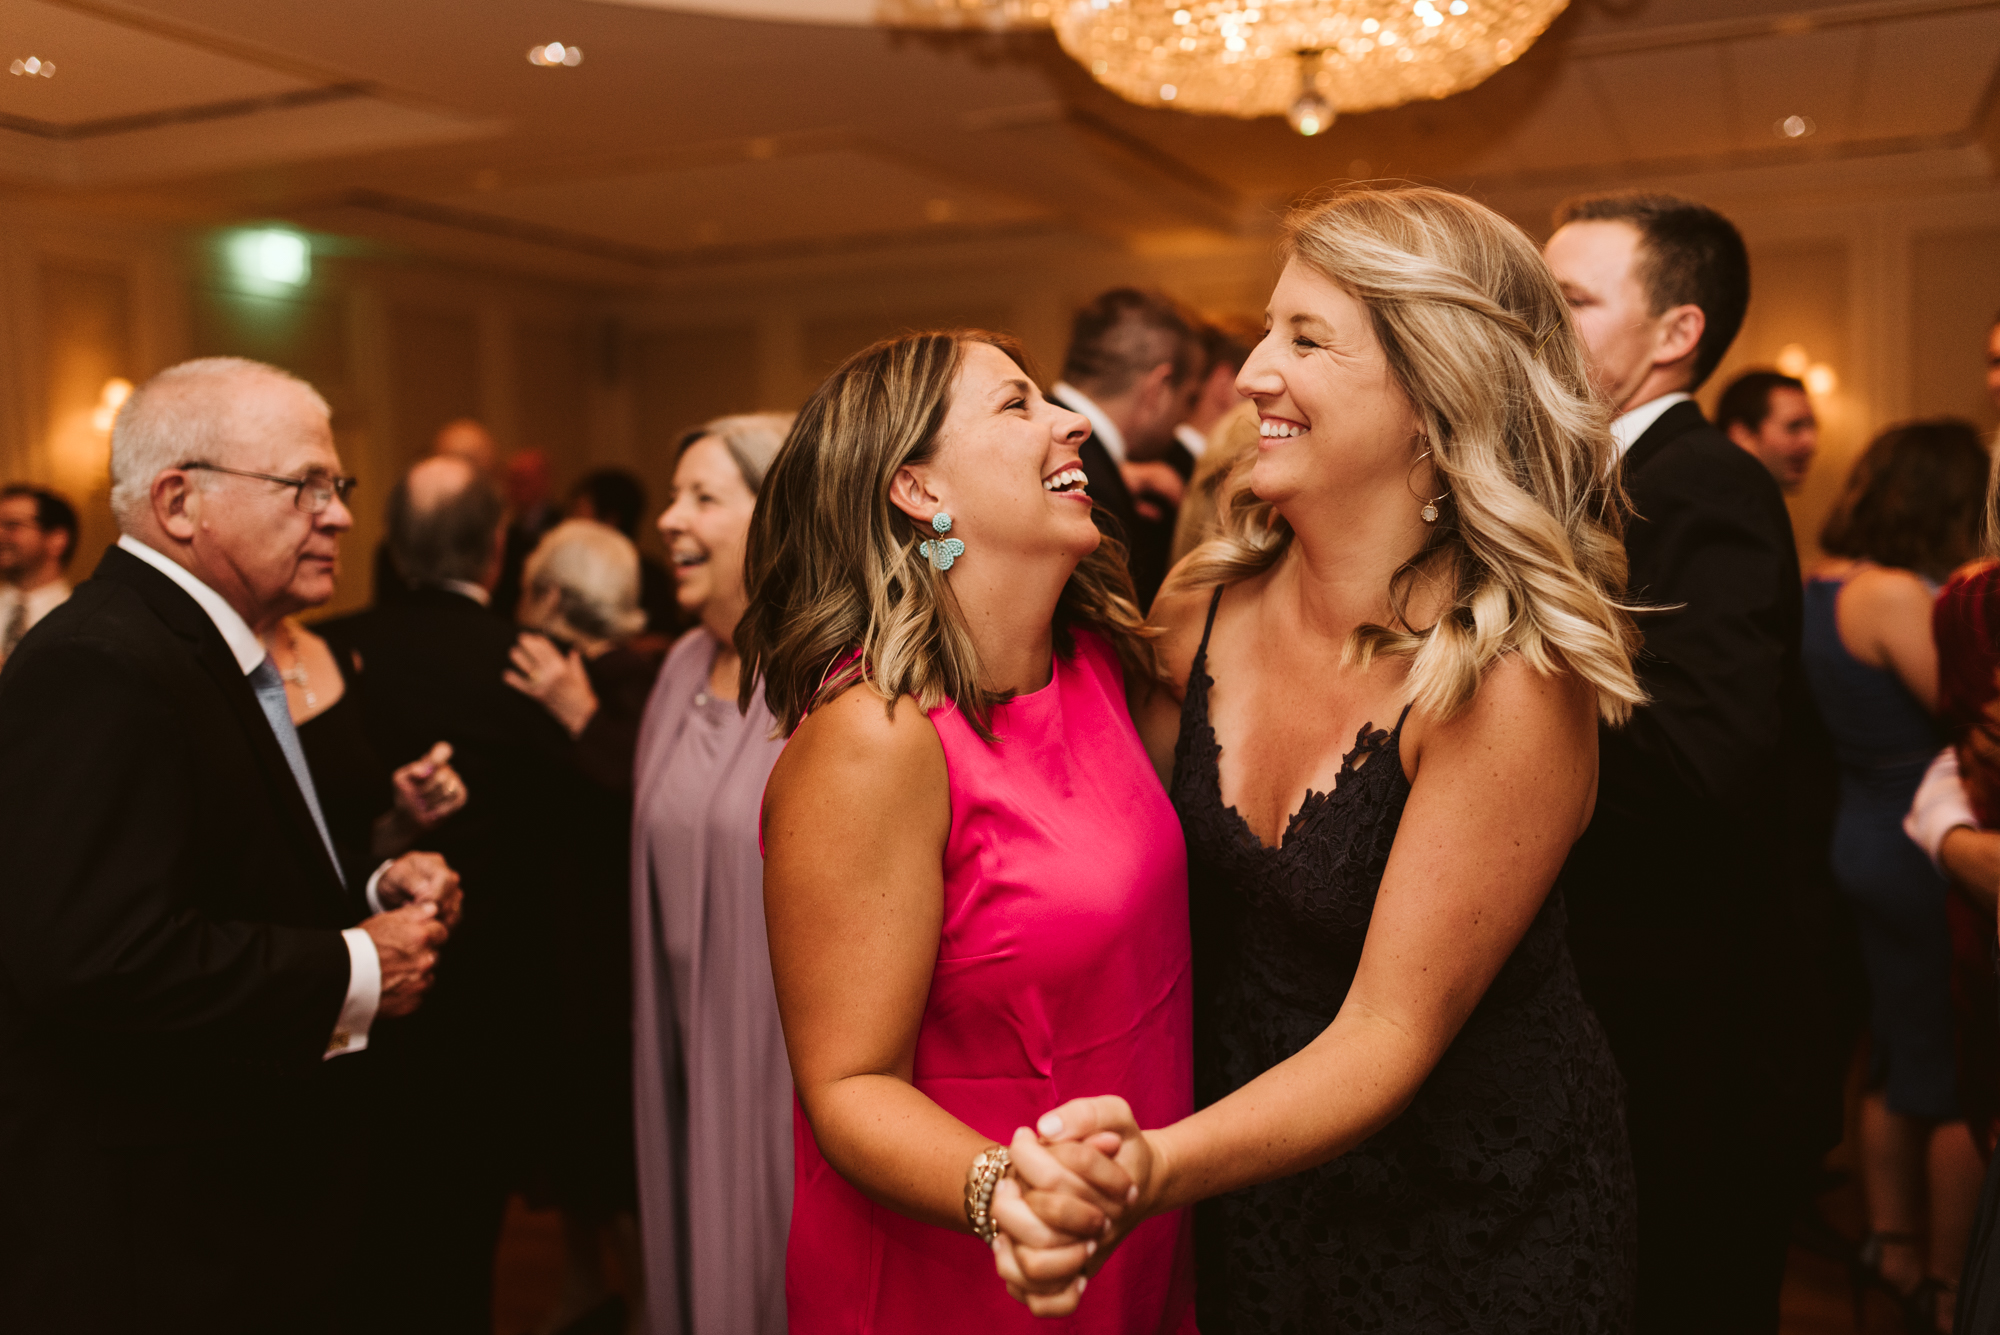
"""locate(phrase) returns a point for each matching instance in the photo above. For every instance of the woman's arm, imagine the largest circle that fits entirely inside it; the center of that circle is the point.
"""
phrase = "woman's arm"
(855, 822)
(1499, 795)
(1884, 618)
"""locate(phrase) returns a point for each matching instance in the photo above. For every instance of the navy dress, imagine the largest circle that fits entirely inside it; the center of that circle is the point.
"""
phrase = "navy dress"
(1885, 740)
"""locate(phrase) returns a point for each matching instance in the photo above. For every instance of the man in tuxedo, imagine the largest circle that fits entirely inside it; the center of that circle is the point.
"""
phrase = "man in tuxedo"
(1131, 368)
(432, 667)
(181, 949)
(1676, 893)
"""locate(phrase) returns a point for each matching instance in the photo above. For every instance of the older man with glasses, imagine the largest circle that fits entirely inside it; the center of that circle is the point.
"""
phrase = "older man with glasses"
(182, 946)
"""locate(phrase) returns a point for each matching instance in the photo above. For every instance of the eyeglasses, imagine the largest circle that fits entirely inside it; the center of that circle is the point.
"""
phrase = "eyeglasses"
(314, 492)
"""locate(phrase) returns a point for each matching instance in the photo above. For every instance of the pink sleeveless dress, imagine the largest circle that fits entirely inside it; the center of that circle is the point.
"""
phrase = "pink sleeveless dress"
(1063, 970)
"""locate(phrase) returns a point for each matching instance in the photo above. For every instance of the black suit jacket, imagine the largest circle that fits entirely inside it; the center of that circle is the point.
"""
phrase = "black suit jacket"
(430, 669)
(1676, 892)
(1146, 541)
(171, 969)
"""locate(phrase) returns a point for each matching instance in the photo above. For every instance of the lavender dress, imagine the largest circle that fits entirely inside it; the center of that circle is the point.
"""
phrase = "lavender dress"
(712, 1093)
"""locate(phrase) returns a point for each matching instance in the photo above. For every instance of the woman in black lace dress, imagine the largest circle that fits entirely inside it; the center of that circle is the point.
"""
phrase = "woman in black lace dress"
(1385, 684)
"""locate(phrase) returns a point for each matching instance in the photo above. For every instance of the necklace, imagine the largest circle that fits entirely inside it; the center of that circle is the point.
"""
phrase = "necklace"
(296, 674)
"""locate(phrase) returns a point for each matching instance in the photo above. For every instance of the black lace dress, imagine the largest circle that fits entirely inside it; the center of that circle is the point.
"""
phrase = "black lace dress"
(1502, 1199)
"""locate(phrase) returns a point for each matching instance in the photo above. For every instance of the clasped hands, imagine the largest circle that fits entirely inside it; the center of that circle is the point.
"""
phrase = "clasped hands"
(421, 899)
(1082, 1180)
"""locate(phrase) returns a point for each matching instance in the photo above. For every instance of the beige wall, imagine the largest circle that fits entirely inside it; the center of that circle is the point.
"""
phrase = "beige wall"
(1894, 292)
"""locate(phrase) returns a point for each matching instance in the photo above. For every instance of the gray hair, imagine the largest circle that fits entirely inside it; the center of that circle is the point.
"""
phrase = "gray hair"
(752, 440)
(593, 570)
(180, 416)
(451, 537)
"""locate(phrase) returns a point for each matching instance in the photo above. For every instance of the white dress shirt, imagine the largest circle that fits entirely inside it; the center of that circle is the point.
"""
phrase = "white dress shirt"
(364, 974)
(1191, 440)
(1107, 432)
(1632, 423)
(38, 601)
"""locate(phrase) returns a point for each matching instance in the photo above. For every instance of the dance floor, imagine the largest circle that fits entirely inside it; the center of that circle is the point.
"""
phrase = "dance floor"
(1816, 1298)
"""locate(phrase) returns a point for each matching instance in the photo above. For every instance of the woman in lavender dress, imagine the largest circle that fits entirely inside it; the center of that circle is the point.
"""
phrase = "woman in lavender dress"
(712, 1093)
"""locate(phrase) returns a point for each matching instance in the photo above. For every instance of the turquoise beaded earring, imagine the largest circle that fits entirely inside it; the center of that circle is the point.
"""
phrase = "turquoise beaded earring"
(943, 551)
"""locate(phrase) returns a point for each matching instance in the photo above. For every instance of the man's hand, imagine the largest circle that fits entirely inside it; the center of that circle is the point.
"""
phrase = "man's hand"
(422, 878)
(406, 940)
(1156, 488)
(428, 789)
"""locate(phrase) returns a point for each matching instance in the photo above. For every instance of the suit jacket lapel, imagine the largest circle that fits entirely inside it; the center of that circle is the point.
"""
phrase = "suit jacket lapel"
(1675, 422)
(185, 618)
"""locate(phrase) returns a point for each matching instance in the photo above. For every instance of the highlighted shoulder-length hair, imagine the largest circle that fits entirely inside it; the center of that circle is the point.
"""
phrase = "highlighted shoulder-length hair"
(832, 567)
(1478, 335)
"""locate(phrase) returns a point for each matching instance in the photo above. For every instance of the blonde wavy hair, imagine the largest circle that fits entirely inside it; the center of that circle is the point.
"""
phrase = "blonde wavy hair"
(1478, 336)
(831, 566)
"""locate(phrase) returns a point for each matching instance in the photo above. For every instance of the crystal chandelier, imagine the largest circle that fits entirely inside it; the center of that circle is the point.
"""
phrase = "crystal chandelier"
(1311, 59)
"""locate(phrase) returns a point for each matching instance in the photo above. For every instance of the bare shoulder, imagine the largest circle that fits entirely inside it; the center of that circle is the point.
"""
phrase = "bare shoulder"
(861, 746)
(1517, 713)
(1886, 586)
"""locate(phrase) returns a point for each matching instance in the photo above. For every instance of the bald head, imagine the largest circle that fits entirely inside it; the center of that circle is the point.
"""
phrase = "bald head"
(469, 440)
(444, 522)
(219, 410)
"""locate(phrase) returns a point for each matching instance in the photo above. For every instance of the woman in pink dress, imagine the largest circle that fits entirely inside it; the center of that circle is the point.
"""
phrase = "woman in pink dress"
(974, 884)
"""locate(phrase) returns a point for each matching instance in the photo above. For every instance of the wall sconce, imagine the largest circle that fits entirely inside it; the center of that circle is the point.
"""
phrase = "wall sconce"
(1796, 362)
(116, 390)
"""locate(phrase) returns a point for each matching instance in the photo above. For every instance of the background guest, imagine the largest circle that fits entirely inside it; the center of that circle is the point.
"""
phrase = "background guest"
(1769, 414)
(1909, 514)
(178, 934)
(1675, 936)
(616, 496)
(1213, 398)
(37, 540)
(531, 512)
(369, 809)
(713, 1092)
(461, 438)
(433, 664)
(581, 658)
(1132, 363)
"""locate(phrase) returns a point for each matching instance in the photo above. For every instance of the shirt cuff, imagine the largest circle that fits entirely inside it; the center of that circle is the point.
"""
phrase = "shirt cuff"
(374, 900)
(1939, 807)
(364, 993)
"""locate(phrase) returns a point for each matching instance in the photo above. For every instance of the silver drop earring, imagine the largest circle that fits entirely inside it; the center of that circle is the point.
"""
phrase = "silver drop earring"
(1429, 513)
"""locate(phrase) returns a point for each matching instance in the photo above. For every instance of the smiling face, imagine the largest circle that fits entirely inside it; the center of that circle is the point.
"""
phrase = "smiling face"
(1788, 438)
(1005, 468)
(1336, 427)
(705, 525)
(249, 538)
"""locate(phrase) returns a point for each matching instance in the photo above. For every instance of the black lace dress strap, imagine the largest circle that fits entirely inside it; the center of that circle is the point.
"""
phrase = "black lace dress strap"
(1501, 1200)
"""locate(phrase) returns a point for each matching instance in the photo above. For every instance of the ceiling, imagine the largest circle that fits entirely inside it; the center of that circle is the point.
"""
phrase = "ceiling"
(685, 141)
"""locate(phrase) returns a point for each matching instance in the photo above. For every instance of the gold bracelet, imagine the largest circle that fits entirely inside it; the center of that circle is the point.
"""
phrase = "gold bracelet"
(993, 1163)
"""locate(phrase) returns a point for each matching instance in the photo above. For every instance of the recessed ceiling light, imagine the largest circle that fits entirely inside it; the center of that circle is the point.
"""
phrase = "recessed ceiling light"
(1794, 127)
(34, 67)
(555, 53)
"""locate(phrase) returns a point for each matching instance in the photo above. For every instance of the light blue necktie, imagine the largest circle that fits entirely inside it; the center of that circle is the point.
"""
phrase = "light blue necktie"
(270, 690)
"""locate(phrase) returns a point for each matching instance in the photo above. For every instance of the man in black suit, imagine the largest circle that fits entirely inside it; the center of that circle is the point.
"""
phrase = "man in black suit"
(179, 954)
(1131, 369)
(432, 664)
(1676, 893)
